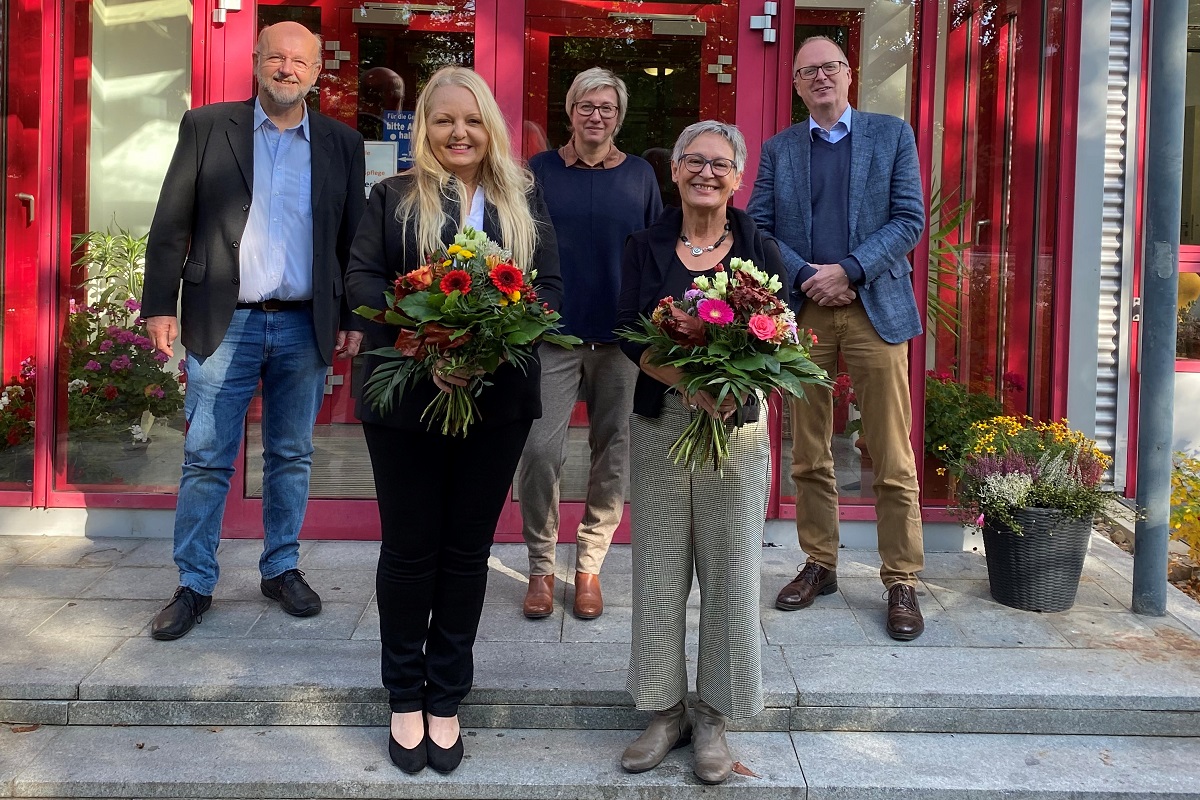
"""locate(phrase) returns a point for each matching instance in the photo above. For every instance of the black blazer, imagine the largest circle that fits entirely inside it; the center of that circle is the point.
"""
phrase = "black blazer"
(382, 251)
(202, 213)
(644, 268)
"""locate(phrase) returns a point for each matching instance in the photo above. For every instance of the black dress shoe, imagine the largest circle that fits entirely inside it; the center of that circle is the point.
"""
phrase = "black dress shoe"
(812, 581)
(186, 608)
(294, 594)
(445, 759)
(410, 759)
(904, 620)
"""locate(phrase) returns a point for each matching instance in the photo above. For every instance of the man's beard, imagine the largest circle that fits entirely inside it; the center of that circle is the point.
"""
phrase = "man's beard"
(285, 95)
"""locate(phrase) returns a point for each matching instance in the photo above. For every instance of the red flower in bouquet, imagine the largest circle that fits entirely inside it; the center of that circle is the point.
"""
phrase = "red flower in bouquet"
(456, 280)
(447, 327)
(683, 328)
(507, 278)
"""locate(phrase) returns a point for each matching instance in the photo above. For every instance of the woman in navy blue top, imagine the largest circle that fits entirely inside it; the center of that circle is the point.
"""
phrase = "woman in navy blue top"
(597, 196)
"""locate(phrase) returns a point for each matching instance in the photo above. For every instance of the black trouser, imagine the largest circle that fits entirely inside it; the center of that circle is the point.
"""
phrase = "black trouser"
(439, 500)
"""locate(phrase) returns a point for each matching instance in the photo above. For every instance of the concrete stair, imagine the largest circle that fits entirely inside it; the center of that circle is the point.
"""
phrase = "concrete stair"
(1095, 704)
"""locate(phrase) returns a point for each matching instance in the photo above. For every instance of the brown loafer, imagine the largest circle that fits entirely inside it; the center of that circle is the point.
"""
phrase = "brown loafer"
(812, 581)
(589, 603)
(904, 620)
(539, 598)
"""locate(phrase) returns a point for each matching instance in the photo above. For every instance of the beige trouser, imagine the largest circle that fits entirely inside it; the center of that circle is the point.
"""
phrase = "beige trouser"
(879, 372)
(602, 376)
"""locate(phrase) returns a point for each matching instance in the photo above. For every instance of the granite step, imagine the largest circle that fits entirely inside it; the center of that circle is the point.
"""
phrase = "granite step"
(582, 686)
(351, 762)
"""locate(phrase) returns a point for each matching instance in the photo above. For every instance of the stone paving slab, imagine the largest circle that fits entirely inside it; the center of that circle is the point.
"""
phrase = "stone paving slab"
(40, 582)
(21, 616)
(997, 720)
(567, 674)
(18, 549)
(72, 551)
(813, 627)
(193, 669)
(940, 630)
(287, 762)
(338, 621)
(135, 583)
(35, 712)
(874, 766)
(967, 677)
(17, 750)
(115, 618)
(49, 667)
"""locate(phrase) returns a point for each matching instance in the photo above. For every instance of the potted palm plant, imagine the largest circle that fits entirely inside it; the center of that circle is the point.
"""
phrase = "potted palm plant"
(1034, 488)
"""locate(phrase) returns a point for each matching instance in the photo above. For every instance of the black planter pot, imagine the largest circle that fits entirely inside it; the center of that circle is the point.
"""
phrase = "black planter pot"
(1039, 568)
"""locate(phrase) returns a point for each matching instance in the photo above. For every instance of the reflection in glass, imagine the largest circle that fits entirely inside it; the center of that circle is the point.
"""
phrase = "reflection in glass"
(995, 172)
(120, 425)
(371, 81)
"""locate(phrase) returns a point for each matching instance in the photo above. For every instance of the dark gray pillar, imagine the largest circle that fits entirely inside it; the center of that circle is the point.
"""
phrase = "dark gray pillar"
(1160, 294)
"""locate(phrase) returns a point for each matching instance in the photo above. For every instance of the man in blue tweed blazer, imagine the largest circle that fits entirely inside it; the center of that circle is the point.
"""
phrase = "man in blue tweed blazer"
(842, 194)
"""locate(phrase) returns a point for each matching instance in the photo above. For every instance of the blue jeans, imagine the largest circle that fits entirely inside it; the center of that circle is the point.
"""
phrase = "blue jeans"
(280, 349)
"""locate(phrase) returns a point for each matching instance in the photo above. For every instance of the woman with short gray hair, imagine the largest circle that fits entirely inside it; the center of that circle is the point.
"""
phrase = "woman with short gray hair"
(701, 520)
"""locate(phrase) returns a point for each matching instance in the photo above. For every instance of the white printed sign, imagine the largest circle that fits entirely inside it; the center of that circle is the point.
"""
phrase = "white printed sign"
(381, 162)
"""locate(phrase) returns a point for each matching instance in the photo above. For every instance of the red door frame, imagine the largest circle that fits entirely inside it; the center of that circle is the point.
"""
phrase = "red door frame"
(31, 146)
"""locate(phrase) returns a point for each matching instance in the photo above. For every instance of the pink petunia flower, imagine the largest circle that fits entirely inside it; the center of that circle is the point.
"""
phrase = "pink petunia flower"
(92, 366)
(716, 312)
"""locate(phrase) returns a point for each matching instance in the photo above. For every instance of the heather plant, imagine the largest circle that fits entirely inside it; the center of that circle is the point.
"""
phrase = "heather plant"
(1012, 462)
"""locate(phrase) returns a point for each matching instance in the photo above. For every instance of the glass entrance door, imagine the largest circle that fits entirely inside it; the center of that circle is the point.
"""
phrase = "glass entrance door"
(376, 58)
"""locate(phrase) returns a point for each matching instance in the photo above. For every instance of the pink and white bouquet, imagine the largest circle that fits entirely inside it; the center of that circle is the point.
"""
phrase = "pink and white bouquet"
(731, 336)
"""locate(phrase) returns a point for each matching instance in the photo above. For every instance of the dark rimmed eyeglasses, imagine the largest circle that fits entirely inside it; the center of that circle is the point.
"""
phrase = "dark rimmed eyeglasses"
(830, 68)
(586, 109)
(695, 164)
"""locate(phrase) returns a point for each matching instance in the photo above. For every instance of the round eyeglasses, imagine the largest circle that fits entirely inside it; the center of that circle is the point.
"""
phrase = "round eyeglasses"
(586, 109)
(830, 68)
(695, 163)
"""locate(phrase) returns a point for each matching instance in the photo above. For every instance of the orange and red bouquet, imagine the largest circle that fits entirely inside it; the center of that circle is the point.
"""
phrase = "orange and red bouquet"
(467, 310)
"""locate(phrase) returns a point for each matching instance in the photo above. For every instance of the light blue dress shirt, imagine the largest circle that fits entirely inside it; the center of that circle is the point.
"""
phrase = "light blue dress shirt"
(277, 246)
(839, 131)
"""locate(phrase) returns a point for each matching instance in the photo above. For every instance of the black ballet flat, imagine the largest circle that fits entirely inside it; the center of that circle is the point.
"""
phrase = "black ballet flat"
(411, 760)
(445, 759)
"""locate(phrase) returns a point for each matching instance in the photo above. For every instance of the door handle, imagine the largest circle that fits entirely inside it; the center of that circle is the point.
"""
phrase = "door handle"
(28, 201)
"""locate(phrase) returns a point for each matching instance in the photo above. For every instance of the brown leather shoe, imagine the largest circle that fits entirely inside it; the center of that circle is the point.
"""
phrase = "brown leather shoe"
(539, 598)
(904, 620)
(811, 581)
(589, 603)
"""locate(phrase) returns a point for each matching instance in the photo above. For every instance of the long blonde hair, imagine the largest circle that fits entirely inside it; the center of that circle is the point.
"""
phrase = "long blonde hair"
(505, 182)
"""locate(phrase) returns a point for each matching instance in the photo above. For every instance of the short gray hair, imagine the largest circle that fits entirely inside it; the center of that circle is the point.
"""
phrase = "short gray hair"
(599, 78)
(728, 132)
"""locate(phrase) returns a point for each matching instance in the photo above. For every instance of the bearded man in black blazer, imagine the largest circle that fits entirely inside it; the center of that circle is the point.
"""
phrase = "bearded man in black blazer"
(257, 212)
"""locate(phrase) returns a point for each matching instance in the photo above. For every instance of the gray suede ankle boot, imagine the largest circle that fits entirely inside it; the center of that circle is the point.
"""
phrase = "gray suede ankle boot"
(667, 730)
(713, 761)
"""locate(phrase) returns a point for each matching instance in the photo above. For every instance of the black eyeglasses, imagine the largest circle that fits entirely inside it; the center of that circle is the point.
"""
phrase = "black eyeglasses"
(830, 68)
(585, 109)
(696, 163)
